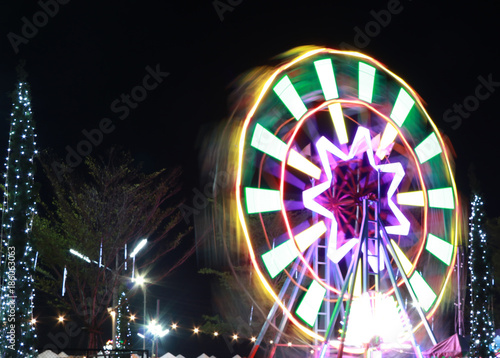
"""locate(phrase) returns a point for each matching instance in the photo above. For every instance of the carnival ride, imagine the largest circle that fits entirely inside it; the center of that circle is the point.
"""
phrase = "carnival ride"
(347, 202)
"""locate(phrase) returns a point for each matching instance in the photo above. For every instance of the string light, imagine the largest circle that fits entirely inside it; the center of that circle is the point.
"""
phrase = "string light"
(480, 286)
(123, 310)
(17, 219)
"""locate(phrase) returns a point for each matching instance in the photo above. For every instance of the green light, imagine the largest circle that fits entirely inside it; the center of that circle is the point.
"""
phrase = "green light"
(441, 198)
(425, 294)
(366, 82)
(262, 200)
(324, 68)
(428, 148)
(443, 250)
(311, 303)
(277, 259)
(290, 98)
(268, 143)
(402, 107)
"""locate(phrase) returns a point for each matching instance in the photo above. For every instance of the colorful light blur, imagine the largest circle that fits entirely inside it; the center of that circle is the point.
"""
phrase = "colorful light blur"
(269, 148)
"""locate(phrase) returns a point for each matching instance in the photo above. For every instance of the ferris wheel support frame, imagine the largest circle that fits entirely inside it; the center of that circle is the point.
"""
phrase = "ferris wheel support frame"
(387, 248)
(383, 243)
(274, 309)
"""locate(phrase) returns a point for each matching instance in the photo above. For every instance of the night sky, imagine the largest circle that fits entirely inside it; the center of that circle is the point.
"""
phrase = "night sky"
(85, 55)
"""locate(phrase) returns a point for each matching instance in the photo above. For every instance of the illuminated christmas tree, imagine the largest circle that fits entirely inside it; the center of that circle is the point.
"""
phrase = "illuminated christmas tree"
(18, 258)
(482, 331)
(123, 329)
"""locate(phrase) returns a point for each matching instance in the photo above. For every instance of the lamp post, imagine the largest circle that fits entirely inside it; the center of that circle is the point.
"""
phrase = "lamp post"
(138, 248)
(141, 281)
(158, 332)
(112, 310)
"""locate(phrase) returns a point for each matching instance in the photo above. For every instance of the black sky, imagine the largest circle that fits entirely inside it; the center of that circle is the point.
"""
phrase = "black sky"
(90, 53)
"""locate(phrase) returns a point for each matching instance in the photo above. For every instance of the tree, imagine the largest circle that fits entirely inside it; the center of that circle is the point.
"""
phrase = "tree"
(99, 210)
(482, 329)
(18, 257)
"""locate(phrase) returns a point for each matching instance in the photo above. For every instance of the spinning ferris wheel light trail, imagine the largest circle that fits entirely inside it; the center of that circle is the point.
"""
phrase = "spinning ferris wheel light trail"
(339, 154)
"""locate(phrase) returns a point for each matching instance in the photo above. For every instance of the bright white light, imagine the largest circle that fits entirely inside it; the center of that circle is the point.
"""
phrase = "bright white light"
(140, 335)
(157, 330)
(164, 332)
(139, 246)
(77, 254)
(140, 280)
(375, 315)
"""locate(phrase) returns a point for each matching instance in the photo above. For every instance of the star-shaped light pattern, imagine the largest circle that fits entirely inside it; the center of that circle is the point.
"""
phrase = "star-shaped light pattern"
(331, 157)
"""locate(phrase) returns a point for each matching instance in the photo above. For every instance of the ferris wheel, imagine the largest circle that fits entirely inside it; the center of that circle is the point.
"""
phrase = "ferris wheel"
(347, 201)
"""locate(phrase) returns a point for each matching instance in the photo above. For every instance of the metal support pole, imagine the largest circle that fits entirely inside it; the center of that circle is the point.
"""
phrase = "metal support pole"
(157, 322)
(388, 246)
(144, 318)
(337, 308)
(114, 311)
